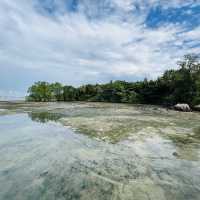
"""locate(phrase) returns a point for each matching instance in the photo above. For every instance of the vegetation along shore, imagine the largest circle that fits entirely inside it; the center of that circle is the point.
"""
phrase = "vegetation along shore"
(177, 86)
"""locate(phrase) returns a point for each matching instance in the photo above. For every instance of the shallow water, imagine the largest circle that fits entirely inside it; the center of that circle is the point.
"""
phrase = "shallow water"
(67, 151)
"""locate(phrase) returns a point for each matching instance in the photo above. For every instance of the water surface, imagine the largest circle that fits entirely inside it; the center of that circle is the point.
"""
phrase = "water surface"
(76, 151)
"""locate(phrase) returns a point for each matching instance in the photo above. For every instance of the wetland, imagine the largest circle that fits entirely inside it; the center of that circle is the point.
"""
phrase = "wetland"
(98, 151)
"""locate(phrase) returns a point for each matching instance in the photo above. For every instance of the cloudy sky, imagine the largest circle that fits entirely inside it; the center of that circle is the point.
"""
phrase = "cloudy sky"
(88, 41)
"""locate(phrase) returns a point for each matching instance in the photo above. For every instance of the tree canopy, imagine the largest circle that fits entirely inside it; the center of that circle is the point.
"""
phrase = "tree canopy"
(174, 86)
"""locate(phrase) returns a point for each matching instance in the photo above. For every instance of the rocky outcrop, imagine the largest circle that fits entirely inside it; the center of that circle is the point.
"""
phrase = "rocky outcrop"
(182, 107)
(197, 107)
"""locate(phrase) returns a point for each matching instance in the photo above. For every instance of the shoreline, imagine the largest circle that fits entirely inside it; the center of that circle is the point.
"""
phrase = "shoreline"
(80, 102)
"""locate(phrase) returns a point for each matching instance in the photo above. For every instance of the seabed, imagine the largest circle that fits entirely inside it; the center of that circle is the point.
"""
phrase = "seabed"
(98, 151)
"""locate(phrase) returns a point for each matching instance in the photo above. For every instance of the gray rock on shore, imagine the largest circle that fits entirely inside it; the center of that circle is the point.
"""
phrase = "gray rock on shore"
(182, 107)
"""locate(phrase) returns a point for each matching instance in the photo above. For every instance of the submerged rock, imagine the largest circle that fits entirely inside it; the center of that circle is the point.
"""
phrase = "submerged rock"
(182, 107)
(175, 154)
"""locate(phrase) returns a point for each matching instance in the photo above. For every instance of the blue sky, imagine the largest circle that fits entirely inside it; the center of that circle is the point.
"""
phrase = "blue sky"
(87, 41)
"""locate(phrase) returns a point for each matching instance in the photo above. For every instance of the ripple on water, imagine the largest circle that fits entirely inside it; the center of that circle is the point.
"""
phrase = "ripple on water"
(42, 159)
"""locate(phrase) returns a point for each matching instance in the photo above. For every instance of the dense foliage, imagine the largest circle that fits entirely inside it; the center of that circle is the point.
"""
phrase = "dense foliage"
(174, 86)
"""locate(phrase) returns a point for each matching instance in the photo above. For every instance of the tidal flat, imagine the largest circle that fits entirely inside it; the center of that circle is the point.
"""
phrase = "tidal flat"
(98, 151)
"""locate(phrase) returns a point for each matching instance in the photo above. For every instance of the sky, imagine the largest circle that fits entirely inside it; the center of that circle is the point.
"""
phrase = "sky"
(92, 41)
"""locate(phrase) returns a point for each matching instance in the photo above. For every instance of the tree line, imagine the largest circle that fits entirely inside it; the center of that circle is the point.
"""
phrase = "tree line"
(174, 86)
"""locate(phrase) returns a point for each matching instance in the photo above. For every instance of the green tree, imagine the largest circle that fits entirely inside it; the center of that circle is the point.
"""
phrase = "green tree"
(40, 91)
(174, 86)
(69, 93)
(56, 91)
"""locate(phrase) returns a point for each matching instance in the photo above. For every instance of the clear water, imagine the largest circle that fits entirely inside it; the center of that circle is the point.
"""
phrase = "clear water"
(42, 159)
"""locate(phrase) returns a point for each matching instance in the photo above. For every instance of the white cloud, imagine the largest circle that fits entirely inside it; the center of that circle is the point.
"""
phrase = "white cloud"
(76, 49)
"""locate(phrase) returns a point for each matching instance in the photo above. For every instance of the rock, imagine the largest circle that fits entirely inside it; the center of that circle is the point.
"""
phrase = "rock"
(182, 107)
(175, 154)
(197, 107)
(45, 173)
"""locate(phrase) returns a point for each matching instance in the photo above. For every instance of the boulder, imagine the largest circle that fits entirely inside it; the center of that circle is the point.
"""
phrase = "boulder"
(182, 107)
(197, 107)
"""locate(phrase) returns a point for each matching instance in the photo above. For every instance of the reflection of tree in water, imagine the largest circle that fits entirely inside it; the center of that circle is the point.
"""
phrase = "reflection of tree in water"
(44, 117)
